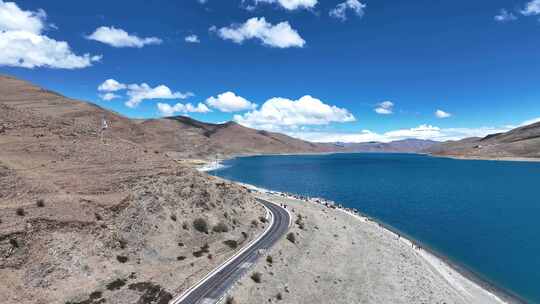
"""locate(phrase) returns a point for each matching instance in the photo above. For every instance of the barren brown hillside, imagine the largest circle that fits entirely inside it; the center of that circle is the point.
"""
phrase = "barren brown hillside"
(195, 139)
(82, 221)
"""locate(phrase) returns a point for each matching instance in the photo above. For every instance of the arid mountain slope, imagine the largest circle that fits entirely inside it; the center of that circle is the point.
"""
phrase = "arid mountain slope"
(191, 138)
(523, 142)
(86, 221)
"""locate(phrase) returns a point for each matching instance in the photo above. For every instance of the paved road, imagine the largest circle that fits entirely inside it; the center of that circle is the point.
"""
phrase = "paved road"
(214, 286)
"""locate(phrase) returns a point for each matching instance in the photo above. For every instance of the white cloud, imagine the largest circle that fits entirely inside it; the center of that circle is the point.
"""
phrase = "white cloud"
(111, 85)
(427, 132)
(287, 4)
(138, 93)
(284, 114)
(423, 131)
(12, 18)
(442, 114)
(385, 108)
(117, 37)
(168, 110)
(340, 11)
(505, 16)
(530, 121)
(192, 39)
(280, 35)
(531, 8)
(109, 96)
(22, 43)
(230, 102)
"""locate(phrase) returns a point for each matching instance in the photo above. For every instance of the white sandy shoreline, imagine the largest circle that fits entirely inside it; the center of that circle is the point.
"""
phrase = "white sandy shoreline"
(460, 279)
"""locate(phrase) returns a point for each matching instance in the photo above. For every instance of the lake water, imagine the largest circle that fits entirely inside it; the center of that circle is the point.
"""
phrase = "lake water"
(482, 215)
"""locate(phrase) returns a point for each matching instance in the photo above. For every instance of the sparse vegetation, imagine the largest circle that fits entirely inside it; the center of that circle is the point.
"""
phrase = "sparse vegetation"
(221, 227)
(279, 296)
(98, 217)
(116, 284)
(173, 217)
(231, 243)
(300, 222)
(122, 259)
(185, 226)
(200, 225)
(20, 212)
(291, 237)
(123, 243)
(14, 243)
(40, 203)
(269, 259)
(204, 249)
(256, 277)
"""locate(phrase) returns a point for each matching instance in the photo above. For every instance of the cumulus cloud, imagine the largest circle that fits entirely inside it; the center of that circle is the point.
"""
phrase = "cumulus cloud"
(12, 18)
(230, 102)
(192, 39)
(385, 108)
(138, 92)
(340, 11)
(23, 44)
(281, 35)
(505, 16)
(168, 110)
(278, 114)
(286, 4)
(111, 85)
(109, 96)
(531, 8)
(118, 38)
(442, 114)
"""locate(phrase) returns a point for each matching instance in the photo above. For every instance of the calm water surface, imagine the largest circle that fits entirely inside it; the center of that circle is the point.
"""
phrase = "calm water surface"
(483, 215)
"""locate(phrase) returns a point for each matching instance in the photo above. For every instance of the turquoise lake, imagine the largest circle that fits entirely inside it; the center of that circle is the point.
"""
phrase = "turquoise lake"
(482, 215)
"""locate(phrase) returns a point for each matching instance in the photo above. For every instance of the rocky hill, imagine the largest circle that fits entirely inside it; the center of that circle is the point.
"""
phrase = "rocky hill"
(86, 219)
(188, 138)
(519, 143)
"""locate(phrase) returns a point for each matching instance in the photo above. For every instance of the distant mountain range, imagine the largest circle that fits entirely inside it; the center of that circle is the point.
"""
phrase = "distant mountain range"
(399, 146)
(522, 142)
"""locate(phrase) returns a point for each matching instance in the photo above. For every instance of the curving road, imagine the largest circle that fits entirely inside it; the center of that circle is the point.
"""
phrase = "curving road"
(212, 288)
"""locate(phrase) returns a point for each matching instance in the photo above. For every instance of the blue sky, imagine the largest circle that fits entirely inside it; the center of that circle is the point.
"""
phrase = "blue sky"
(344, 70)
